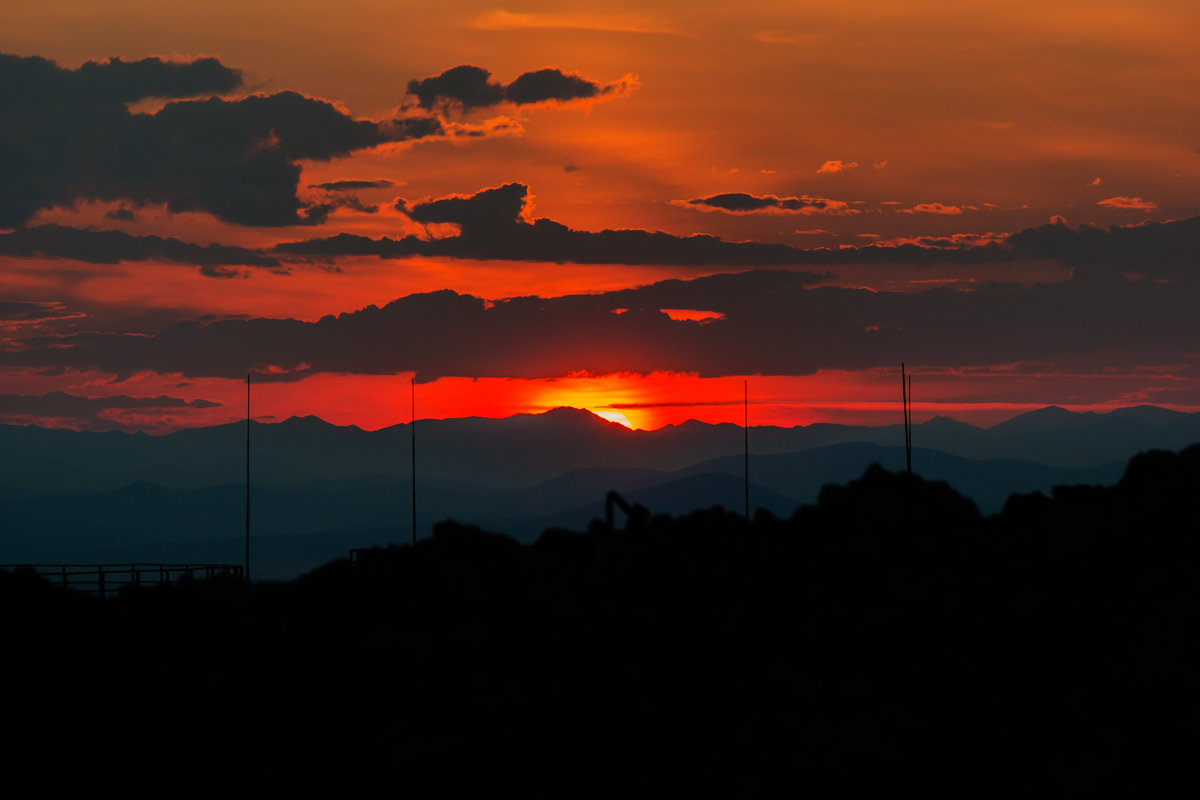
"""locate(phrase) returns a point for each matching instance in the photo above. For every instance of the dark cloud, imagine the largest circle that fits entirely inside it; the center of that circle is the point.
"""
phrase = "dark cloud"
(121, 215)
(491, 226)
(466, 85)
(236, 159)
(549, 84)
(111, 247)
(737, 202)
(60, 404)
(484, 212)
(95, 413)
(469, 87)
(28, 311)
(339, 195)
(319, 212)
(33, 83)
(741, 203)
(350, 186)
(1169, 250)
(773, 322)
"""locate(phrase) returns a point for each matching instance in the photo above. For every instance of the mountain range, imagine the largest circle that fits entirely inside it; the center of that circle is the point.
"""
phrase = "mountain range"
(318, 489)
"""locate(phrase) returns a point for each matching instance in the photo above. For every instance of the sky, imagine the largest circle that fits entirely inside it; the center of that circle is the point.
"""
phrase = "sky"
(643, 210)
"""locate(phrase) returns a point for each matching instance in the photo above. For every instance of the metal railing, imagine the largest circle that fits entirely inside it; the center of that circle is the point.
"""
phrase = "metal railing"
(100, 579)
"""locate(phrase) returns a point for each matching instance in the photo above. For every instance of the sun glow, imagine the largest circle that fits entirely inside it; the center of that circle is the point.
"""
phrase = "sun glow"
(613, 416)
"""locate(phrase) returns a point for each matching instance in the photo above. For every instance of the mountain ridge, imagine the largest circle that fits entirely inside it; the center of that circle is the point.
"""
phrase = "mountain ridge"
(523, 450)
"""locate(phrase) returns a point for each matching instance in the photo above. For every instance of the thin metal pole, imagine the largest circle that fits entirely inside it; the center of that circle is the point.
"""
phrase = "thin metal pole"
(904, 389)
(746, 440)
(909, 450)
(247, 561)
(412, 428)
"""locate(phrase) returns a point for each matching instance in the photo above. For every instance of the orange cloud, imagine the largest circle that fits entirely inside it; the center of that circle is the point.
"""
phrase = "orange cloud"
(956, 241)
(501, 20)
(1133, 203)
(466, 131)
(837, 166)
(930, 208)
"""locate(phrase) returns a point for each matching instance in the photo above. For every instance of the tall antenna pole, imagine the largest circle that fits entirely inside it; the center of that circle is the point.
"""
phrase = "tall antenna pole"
(412, 429)
(910, 424)
(746, 440)
(246, 564)
(906, 394)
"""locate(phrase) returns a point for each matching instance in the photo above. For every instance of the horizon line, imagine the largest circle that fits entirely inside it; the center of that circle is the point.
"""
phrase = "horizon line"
(1019, 409)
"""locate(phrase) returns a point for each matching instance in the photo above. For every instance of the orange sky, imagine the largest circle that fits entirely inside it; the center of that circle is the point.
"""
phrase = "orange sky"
(880, 122)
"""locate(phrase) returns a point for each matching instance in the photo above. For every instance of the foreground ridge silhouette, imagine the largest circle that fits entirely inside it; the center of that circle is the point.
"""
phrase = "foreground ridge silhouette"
(888, 639)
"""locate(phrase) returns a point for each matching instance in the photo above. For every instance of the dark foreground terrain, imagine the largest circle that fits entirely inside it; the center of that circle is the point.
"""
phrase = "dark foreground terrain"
(884, 642)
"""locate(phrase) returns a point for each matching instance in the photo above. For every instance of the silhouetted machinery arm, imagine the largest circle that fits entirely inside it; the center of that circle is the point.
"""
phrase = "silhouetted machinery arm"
(636, 515)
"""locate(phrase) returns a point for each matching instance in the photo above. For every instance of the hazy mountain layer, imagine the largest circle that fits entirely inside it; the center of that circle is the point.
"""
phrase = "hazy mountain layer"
(321, 520)
(524, 450)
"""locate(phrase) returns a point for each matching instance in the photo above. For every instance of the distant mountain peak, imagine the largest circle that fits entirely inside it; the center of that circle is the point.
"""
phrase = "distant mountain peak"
(941, 421)
(571, 416)
(1148, 413)
(568, 412)
(1040, 417)
(309, 422)
(1049, 411)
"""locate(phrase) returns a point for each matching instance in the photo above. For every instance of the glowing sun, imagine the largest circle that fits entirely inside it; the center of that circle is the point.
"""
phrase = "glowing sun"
(614, 416)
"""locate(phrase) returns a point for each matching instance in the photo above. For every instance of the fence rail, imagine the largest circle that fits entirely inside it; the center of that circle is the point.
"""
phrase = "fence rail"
(100, 579)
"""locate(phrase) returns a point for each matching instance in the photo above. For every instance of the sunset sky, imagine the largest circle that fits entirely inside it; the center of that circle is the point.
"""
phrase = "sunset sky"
(630, 210)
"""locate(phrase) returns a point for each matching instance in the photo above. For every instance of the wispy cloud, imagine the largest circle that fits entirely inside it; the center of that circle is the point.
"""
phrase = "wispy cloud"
(501, 20)
(1132, 203)
(836, 166)
(930, 208)
(352, 185)
(741, 203)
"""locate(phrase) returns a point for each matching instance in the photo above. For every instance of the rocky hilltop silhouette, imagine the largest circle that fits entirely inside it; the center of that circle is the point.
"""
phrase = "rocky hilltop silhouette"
(887, 638)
